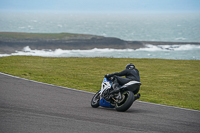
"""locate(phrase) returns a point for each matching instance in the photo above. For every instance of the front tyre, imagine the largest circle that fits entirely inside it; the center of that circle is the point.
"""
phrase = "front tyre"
(126, 102)
(95, 100)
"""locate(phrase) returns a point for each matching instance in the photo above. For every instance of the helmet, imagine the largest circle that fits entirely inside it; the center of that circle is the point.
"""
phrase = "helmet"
(130, 66)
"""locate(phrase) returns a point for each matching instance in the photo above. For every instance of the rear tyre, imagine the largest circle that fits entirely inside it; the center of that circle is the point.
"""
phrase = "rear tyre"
(126, 102)
(95, 100)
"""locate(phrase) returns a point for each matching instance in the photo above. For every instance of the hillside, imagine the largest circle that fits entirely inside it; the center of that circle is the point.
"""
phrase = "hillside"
(12, 41)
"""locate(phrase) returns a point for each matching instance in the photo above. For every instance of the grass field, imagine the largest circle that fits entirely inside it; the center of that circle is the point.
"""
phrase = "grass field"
(20, 35)
(52, 36)
(168, 82)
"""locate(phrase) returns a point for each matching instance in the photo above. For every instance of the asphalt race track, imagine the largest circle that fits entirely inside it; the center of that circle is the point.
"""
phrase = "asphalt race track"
(31, 107)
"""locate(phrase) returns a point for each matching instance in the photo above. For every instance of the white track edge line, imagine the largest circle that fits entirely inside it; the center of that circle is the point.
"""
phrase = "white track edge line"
(45, 83)
(94, 93)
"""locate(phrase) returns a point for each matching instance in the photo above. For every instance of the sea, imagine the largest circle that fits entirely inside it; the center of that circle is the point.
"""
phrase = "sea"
(163, 27)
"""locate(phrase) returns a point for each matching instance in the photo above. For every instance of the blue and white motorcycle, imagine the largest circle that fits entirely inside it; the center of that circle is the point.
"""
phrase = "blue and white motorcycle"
(121, 101)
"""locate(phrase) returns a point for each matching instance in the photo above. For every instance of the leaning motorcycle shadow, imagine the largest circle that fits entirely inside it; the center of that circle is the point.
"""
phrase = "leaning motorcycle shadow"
(137, 111)
(130, 110)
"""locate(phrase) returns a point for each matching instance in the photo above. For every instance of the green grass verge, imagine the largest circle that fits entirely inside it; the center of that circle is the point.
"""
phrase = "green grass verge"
(168, 82)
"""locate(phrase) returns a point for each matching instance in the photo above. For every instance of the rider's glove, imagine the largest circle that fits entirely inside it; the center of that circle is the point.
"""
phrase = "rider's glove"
(107, 76)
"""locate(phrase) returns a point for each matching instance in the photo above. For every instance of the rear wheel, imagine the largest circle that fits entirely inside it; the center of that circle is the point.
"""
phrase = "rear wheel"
(95, 100)
(126, 102)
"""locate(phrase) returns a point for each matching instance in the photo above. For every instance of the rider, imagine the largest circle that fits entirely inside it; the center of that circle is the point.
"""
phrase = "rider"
(131, 74)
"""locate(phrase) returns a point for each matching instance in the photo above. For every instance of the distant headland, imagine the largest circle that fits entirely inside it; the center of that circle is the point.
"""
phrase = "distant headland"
(12, 41)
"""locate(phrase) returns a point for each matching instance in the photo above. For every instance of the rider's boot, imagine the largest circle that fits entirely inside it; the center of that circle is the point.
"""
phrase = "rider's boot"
(116, 89)
(137, 96)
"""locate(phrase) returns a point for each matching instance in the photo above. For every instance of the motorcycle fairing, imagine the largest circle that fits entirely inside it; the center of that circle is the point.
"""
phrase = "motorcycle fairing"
(104, 103)
(131, 83)
(105, 85)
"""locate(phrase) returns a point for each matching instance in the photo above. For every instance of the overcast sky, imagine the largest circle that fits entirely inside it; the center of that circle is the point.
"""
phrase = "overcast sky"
(100, 6)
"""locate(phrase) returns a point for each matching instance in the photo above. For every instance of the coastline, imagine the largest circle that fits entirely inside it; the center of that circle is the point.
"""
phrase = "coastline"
(15, 41)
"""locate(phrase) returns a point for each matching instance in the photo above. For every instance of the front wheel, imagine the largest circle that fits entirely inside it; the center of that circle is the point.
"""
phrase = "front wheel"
(95, 100)
(126, 102)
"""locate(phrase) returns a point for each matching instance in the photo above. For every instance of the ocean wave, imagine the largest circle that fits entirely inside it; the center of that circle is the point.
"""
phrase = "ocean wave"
(150, 47)
(189, 52)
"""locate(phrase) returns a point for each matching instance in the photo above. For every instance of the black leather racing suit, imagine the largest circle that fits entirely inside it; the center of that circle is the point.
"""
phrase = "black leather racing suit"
(130, 74)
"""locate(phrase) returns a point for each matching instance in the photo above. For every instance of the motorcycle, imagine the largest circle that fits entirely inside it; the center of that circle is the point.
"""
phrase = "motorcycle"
(121, 101)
